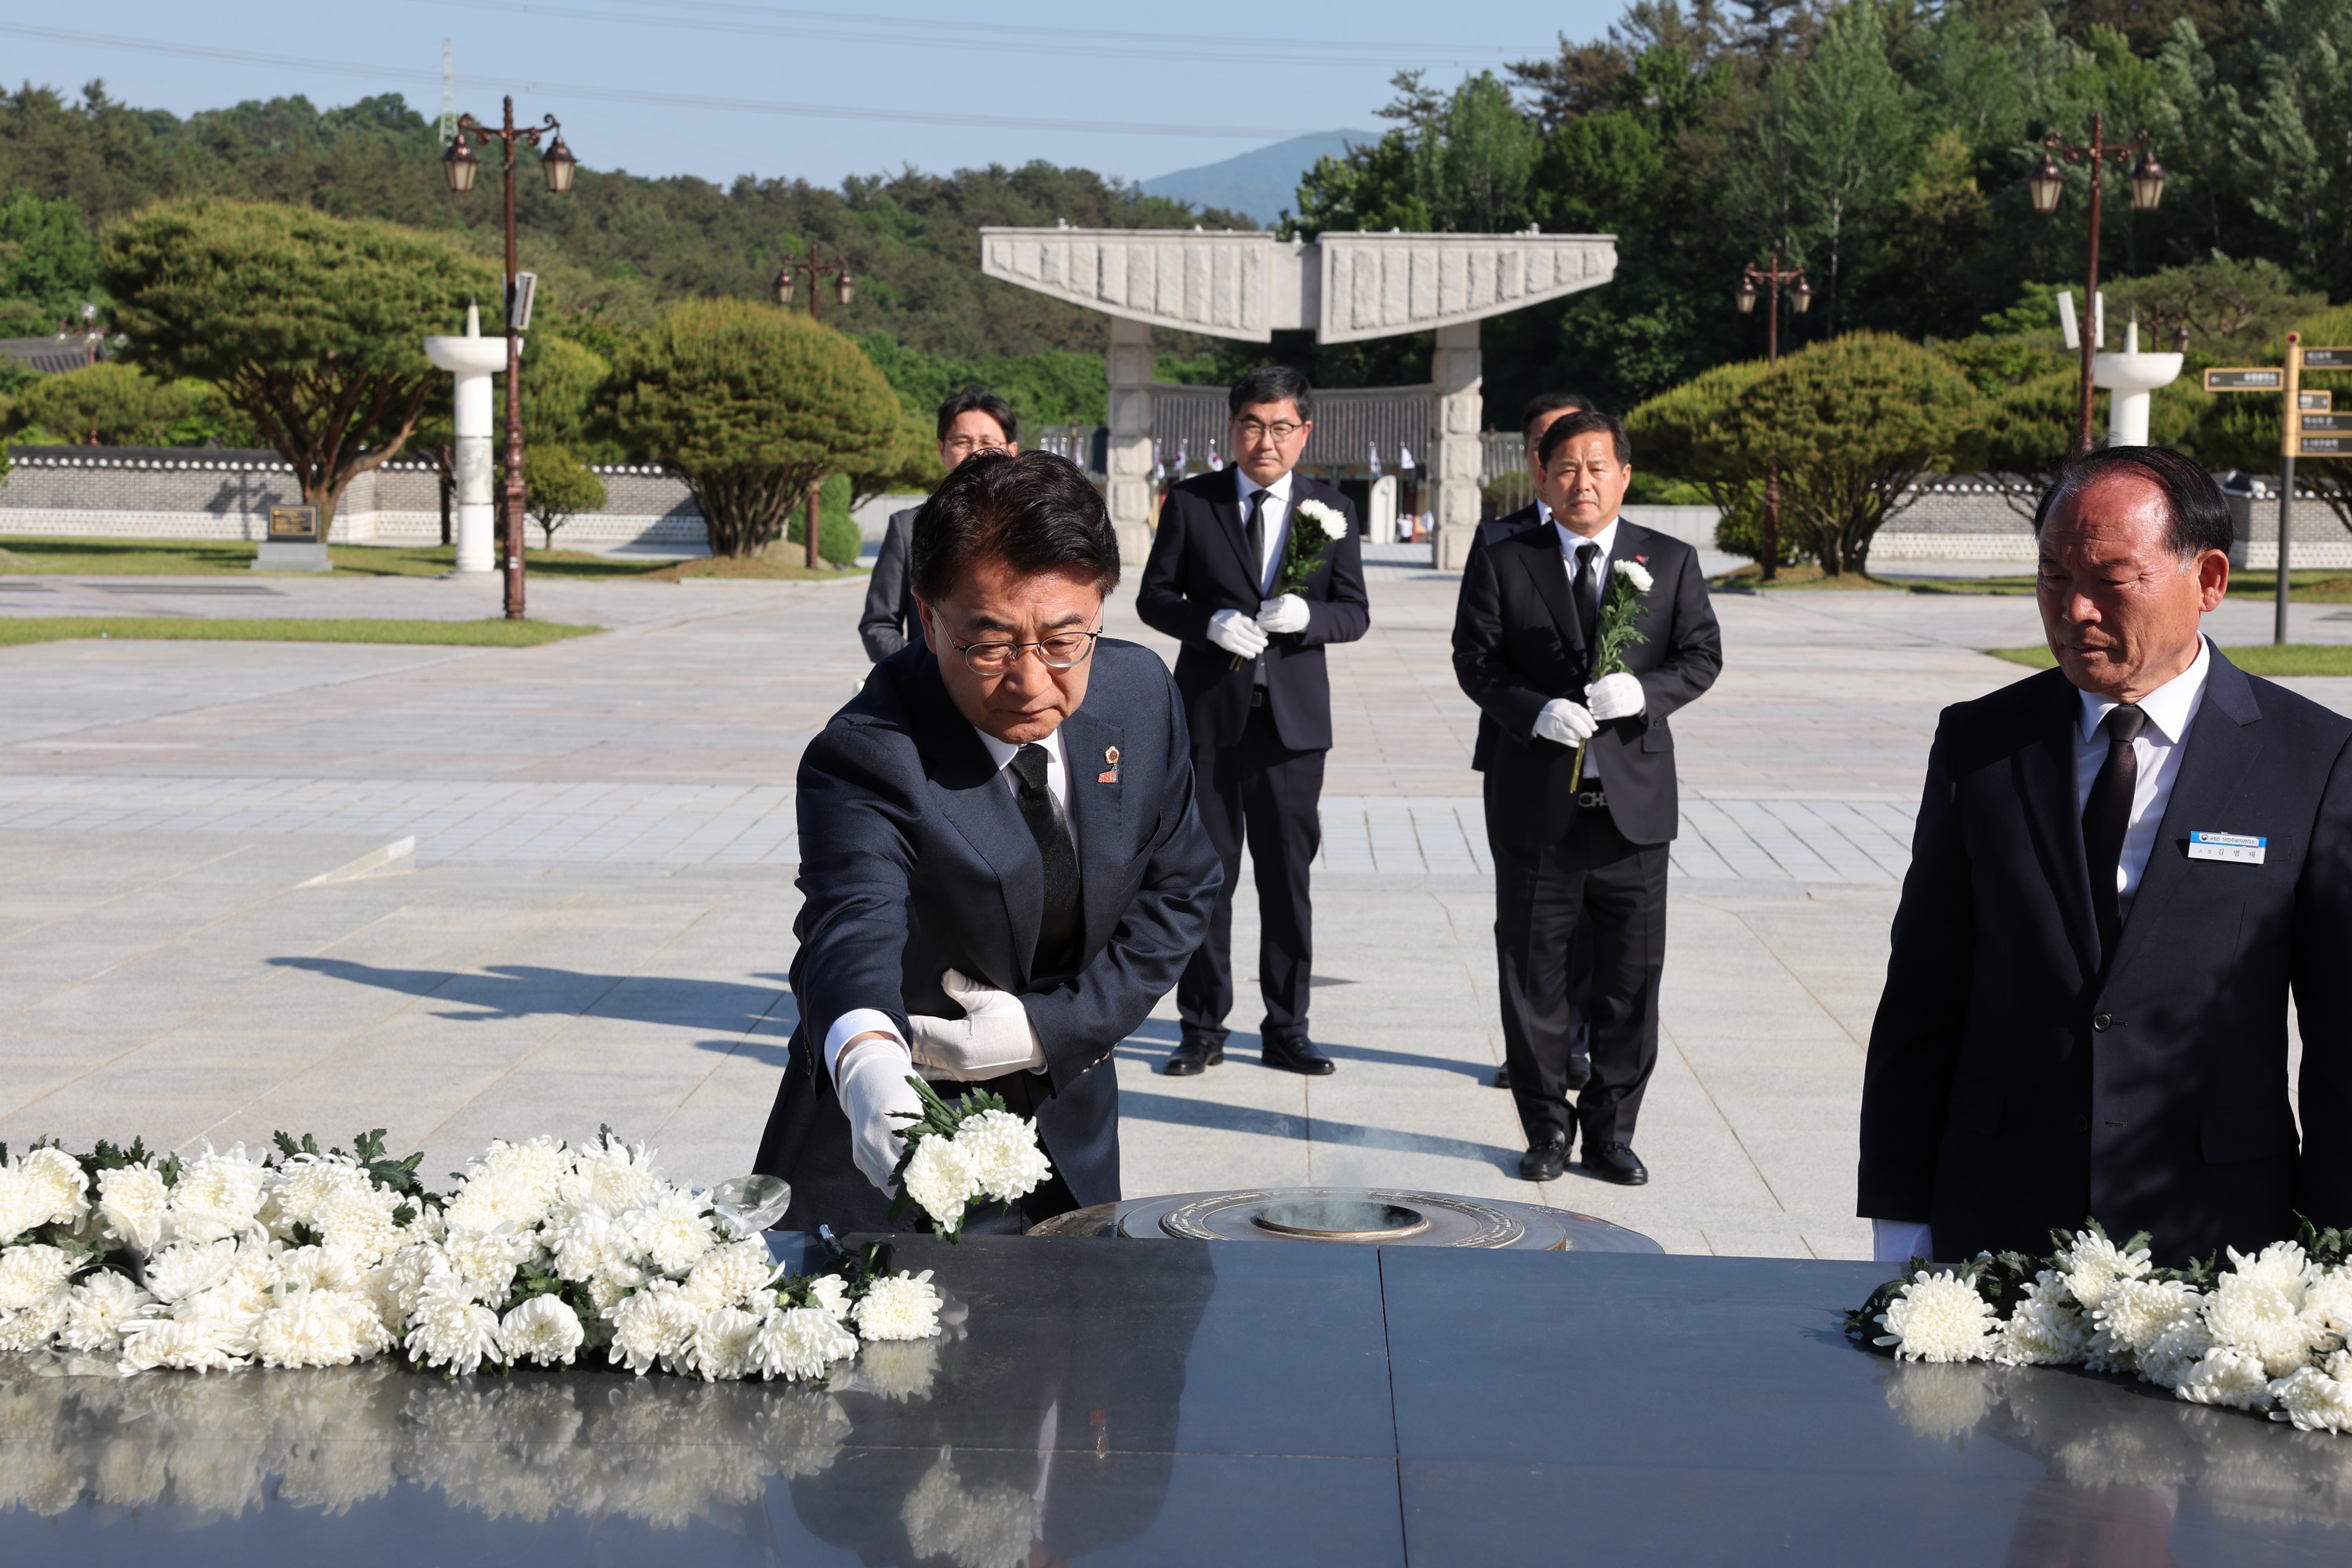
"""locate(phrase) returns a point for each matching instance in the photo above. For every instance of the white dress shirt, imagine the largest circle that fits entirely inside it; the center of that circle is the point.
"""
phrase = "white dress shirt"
(1570, 542)
(1277, 507)
(873, 1020)
(2170, 708)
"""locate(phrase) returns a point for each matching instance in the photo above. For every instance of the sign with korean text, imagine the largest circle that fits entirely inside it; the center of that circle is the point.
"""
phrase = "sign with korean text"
(2246, 380)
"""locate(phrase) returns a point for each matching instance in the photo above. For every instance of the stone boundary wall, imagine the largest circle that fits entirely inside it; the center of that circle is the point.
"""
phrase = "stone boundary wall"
(216, 493)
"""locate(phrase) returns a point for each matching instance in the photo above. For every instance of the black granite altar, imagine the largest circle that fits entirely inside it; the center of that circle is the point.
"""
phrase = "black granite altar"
(1194, 1402)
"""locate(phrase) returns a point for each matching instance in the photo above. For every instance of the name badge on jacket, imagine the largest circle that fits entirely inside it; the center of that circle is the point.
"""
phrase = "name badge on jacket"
(2244, 848)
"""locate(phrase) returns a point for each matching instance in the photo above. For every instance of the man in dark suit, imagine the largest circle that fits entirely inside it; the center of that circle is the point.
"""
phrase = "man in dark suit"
(1575, 852)
(1001, 866)
(973, 420)
(1541, 410)
(2122, 870)
(1257, 697)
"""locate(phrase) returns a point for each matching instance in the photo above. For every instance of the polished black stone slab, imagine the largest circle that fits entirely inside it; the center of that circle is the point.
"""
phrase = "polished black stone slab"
(1119, 1402)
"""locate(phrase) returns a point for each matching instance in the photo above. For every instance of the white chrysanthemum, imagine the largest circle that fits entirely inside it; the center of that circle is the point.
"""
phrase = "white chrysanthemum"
(2259, 1312)
(606, 1289)
(2137, 1314)
(1634, 572)
(2327, 1303)
(543, 1330)
(899, 1370)
(30, 1275)
(2283, 1266)
(2225, 1376)
(831, 1292)
(101, 1304)
(727, 1276)
(45, 1187)
(2316, 1398)
(719, 1351)
(30, 1328)
(185, 1267)
(318, 1327)
(491, 1199)
(134, 1203)
(1328, 518)
(359, 1222)
(800, 1342)
(1001, 1152)
(485, 1259)
(151, 1344)
(320, 1269)
(1939, 1318)
(671, 1232)
(304, 1186)
(941, 1179)
(902, 1307)
(2092, 1263)
(218, 1194)
(449, 1328)
(652, 1325)
(2044, 1329)
(2178, 1349)
(585, 1241)
(613, 1176)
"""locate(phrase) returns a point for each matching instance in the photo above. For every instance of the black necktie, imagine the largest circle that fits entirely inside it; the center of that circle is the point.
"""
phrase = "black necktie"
(1588, 607)
(1257, 540)
(1061, 925)
(2106, 815)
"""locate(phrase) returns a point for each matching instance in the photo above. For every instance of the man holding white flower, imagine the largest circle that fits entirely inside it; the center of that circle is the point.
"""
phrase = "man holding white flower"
(1255, 569)
(1579, 641)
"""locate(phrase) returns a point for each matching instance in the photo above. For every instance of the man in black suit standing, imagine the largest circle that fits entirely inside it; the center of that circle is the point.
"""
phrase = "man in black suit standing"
(2124, 870)
(1257, 697)
(1541, 410)
(970, 422)
(1573, 852)
(1000, 866)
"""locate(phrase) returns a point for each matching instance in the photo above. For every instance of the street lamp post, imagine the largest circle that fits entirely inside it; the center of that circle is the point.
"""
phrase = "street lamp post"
(2048, 182)
(460, 165)
(844, 289)
(1800, 299)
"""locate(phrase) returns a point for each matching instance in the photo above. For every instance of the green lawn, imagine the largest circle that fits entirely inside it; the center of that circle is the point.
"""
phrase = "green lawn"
(190, 628)
(78, 557)
(2255, 658)
(2322, 585)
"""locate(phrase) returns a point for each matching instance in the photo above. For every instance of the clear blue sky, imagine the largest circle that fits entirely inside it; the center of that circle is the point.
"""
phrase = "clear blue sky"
(662, 87)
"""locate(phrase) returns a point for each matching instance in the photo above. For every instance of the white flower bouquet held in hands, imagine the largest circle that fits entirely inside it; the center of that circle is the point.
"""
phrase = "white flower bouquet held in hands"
(1317, 528)
(2265, 1332)
(544, 1253)
(1620, 602)
(960, 1154)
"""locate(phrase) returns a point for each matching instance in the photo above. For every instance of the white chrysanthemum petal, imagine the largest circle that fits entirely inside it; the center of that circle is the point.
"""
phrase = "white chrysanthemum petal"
(30, 1275)
(134, 1204)
(318, 1327)
(798, 1343)
(670, 1233)
(2316, 1398)
(721, 1349)
(730, 1275)
(902, 1307)
(652, 1325)
(543, 1330)
(219, 1194)
(191, 1344)
(2259, 1313)
(101, 1305)
(940, 1181)
(1636, 574)
(2092, 1263)
(449, 1328)
(2225, 1376)
(1000, 1150)
(1939, 1318)
(2045, 1329)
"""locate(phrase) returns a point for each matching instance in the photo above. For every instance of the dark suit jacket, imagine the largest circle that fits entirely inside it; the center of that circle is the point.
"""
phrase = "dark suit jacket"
(890, 621)
(1494, 531)
(2019, 1081)
(1518, 644)
(1201, 564)
(914, 860)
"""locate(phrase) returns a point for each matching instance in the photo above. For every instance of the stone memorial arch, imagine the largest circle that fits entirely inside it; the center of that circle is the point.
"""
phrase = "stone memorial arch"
(1342, 288)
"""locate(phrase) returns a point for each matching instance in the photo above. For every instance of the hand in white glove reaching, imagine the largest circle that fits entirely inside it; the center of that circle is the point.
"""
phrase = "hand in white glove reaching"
(1617, 696)
(1564, 722)
(1286, 614)
(872, 1082)
(1236, 634)
(994, 1037)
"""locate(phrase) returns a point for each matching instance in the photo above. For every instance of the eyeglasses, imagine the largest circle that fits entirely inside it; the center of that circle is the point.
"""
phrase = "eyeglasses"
(964, 447)
(1253, 430)
(1064, 651)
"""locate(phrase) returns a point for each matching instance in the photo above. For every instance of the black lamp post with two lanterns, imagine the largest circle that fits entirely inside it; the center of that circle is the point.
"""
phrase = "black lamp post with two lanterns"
(1800, 299)
(2047, 182)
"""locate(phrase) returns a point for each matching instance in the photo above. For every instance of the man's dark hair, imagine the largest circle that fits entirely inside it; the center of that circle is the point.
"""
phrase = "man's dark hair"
(1591, 421)
(1272, 384)
(979, 400)
(2197, 515)
(1544, 403)
(1032, 510)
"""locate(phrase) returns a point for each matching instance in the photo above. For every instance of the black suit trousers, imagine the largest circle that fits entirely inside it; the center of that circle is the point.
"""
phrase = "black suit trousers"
(1268, 794)
(1593, 883)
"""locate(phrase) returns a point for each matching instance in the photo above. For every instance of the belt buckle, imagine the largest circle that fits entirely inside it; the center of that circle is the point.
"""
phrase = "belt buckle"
(1591, 799)
(1257, 696)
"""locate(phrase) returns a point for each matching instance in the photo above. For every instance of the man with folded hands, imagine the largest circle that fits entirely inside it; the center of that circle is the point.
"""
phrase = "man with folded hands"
(1001, 864)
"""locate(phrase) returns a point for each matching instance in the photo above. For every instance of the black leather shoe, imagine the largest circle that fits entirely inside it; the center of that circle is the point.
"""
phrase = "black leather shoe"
(1616, 1163)
(1544, 1162)
(1579, 1073)
(1297, 1056)
(1503, 1077)
(1189, 1059)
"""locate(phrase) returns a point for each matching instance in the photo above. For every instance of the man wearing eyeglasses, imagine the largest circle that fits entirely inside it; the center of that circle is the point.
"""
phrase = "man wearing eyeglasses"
(1257, 698)
(973, 420)
(1000, 866)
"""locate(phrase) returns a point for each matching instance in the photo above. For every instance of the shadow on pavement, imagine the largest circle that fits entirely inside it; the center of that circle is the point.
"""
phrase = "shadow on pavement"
(506, 990)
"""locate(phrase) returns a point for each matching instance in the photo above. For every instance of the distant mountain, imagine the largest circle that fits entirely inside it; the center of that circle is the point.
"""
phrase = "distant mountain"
(1262, 182)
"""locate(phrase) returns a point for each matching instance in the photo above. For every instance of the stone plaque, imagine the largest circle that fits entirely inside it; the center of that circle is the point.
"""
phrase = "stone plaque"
(294, 525)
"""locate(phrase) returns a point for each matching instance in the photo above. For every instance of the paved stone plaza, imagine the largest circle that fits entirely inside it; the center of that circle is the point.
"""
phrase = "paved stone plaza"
(197, 938)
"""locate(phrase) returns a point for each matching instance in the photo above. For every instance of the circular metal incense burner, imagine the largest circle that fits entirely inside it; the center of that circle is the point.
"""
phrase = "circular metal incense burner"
(1378, 1216)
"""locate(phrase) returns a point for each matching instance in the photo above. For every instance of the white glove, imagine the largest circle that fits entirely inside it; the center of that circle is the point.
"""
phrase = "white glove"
(1287, 613)
(1565, 722)
(1900, 1240)
(1237, 634)
(872, 1084)
(1617, 696)
(995, 1035)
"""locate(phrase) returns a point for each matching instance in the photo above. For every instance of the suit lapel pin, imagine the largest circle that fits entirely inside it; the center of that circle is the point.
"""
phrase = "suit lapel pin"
(1111, 774)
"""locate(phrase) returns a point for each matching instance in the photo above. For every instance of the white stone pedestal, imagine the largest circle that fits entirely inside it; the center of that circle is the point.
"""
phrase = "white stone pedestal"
(2130, 378)
(1128, 461)
(476, 361)
(1455, 466)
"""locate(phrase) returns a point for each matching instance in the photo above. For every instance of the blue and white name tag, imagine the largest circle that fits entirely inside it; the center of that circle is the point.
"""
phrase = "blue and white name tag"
(2244, 848)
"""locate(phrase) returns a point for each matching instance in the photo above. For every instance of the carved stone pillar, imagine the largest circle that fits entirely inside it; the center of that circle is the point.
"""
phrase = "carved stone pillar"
(1456, 465)
(1130, 418)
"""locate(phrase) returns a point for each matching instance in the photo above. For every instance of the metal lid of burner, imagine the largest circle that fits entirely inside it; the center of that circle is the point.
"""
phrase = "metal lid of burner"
(1357, 1215)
